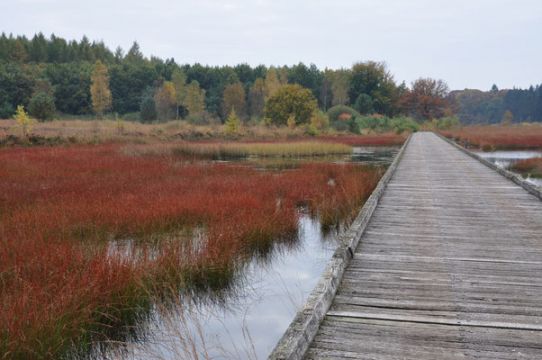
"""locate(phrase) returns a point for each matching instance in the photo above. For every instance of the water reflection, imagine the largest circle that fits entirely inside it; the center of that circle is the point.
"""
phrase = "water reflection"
(248, 321)
(506, 158)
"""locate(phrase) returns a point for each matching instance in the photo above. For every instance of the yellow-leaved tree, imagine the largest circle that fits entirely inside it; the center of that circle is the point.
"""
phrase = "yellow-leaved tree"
(24, 121)
(165, 100)
(273, 82)
(234, 97)
(99, 89)
(232, 124)
(178, 78)
(194, 100)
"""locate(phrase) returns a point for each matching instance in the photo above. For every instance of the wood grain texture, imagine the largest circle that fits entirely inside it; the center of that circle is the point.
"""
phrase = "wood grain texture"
(449, 267)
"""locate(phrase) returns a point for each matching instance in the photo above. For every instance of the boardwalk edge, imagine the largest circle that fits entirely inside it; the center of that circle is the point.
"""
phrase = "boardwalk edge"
(302, 330)
(517, 179)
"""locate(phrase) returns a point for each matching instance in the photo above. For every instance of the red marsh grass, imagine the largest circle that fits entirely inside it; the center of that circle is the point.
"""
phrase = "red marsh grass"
(61, 206)
(489, 138)
(529, 167)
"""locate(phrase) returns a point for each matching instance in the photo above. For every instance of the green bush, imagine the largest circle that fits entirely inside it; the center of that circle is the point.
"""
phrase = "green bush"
(402, 124)
(148, 109)
(341, 125)
(42, 106)
(334, 112)
(376, 123)
(291, 101)
(448, 122)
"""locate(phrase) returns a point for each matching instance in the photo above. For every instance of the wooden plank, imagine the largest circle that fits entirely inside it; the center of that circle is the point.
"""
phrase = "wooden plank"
(448, 267)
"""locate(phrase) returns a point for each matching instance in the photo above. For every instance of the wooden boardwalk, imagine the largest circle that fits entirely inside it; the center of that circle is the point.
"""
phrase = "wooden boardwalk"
(449, 267)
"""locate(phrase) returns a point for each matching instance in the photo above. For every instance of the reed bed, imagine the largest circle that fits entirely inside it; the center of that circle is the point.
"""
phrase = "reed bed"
(490, 138)
(60, 208)
(226, 150)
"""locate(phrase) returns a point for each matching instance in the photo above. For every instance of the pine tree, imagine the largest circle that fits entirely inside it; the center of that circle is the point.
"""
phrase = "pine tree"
(99, 89)
(134, 55)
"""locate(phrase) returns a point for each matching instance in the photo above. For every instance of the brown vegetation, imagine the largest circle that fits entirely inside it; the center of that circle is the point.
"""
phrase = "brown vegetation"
(489, 138)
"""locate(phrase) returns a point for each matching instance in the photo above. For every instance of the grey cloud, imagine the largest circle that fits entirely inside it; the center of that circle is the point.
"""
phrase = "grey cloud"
(467, 43)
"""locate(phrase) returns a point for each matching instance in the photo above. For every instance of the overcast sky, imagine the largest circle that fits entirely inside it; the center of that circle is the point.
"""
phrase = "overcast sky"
(468, 43)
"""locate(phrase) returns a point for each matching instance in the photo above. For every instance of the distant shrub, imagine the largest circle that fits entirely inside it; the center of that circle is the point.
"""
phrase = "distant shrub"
(319, 120)
(42, 106)
(378, 123)
(448, 122)
(148, 109)
(337, 112)
(402, 124)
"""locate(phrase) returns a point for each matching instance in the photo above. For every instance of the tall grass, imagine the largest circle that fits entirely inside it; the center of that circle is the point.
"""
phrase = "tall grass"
(60, 207)
(494, 137)
(240, 150)
(529, 167)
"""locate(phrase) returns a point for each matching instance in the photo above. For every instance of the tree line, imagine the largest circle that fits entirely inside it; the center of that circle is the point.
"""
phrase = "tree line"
(494, 106)
(50, 75)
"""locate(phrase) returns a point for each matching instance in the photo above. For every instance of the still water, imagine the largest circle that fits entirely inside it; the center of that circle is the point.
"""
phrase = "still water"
(506, 158)
(247, 321)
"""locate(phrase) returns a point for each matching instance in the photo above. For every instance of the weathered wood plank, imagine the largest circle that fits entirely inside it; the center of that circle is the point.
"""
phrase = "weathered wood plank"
(448, 266)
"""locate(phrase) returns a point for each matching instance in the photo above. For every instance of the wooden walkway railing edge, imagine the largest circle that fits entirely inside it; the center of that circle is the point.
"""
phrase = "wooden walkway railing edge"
(517, 179)
(296, 340)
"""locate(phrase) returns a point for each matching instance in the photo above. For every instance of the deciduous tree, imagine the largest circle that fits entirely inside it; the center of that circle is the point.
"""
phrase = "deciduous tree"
(232, 124)
(256, 98)
(507, 118)
(272, 82)
(195, 99)
(427, 99)
(374, 79)
(291, 101)
(234, 98)
(340, 82)
(99, 89)
(24, 121)
(178, 78)
(165, 100)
